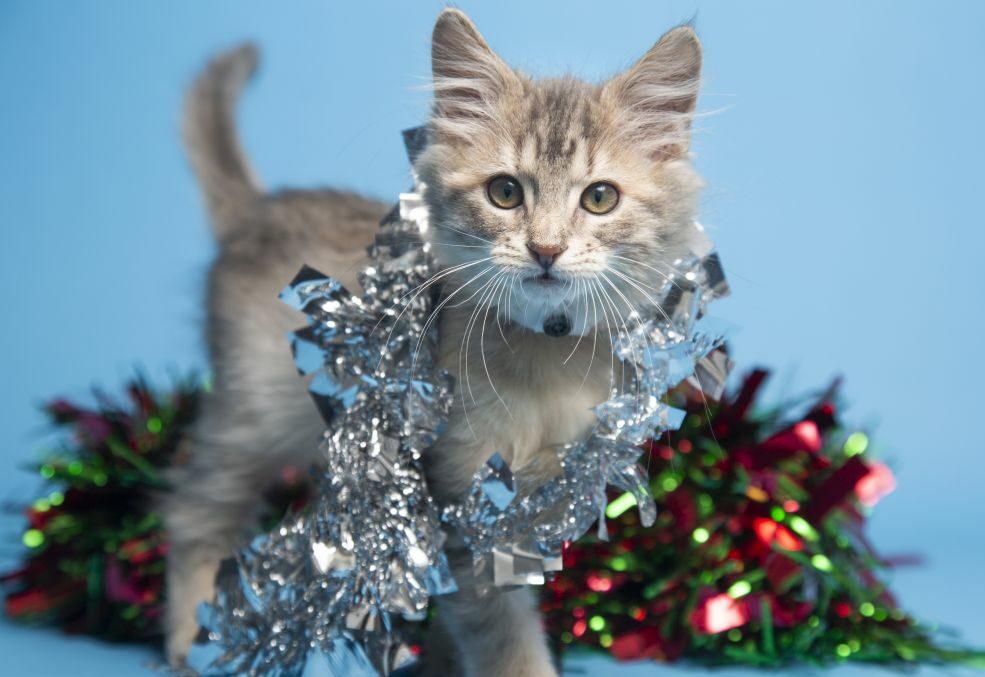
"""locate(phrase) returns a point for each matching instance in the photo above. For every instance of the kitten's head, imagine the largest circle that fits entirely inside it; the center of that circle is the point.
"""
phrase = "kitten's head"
(558, 201)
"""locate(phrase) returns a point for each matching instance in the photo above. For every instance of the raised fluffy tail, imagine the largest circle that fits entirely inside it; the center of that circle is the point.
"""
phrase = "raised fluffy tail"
(227, 180)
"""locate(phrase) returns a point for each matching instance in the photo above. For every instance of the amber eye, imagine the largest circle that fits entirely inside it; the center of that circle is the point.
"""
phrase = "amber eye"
(505, 192)
(600, 198)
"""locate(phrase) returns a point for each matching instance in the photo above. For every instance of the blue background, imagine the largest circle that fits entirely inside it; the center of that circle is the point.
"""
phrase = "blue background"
(844, 173)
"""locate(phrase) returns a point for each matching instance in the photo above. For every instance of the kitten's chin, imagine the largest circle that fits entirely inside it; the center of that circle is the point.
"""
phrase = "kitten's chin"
(543, 315)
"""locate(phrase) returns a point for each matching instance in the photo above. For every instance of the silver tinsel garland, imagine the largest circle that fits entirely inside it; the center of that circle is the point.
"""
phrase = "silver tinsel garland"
(319, 594)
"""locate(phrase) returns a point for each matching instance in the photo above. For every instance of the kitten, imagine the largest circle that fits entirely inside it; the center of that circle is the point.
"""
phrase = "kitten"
(557, 208)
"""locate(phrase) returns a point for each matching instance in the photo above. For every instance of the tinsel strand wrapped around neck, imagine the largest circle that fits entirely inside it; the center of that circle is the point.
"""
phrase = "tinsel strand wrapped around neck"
(518, 541)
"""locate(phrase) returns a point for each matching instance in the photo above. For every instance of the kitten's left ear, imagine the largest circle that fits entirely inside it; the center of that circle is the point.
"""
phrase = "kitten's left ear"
(658, 95)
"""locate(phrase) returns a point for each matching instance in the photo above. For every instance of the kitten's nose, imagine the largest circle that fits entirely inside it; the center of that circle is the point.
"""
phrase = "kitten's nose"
(545, 255)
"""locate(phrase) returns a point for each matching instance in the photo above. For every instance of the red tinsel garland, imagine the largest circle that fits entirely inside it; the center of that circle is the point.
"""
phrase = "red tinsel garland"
(757, 556)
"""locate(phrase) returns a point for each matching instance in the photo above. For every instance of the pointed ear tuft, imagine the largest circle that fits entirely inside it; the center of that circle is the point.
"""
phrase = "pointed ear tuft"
(468, 76)
(658, 94)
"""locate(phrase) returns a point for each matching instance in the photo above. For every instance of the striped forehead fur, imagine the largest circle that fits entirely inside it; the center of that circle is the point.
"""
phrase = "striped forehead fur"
(475, 91)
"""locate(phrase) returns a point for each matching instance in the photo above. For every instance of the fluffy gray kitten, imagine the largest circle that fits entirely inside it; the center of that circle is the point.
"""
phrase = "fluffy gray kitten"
(558, 207)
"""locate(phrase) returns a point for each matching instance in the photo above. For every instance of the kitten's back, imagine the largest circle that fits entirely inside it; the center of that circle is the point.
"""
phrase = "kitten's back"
(264, 239)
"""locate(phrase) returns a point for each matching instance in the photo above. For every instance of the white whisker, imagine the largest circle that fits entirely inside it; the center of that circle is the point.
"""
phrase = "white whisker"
(482, 349)
(652, 300)
(419, 289)
(596, 292)
(639, 317)
(464, 347)
(434, 314)
(506, 287)
(468, 333)
(595, 334)
(462, 232)
(449, 244)
(625, 327)
(580, 336)
(665, 276)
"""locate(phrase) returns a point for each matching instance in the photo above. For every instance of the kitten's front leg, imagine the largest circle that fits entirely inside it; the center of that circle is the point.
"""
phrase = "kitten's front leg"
(498, 634)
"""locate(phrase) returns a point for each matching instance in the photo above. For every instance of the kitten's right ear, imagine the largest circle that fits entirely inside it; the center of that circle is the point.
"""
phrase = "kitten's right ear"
(468, 76)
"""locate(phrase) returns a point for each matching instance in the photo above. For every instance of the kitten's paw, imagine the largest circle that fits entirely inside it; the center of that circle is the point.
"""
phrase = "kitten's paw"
(532, 667)
(177, 643)
(529, 671)
(540, 671)
(191, 581)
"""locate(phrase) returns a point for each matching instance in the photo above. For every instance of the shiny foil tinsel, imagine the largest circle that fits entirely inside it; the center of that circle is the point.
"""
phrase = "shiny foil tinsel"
(519, 540)
(318, 595)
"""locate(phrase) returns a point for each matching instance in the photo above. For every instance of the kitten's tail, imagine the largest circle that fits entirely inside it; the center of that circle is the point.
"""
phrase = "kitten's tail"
(228, 182)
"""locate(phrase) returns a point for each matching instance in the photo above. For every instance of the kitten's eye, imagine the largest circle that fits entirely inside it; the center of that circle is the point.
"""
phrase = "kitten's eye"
(600, 198)
(505, 192)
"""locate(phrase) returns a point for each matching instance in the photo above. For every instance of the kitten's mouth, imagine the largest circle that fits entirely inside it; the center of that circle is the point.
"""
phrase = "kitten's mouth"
(545, 279)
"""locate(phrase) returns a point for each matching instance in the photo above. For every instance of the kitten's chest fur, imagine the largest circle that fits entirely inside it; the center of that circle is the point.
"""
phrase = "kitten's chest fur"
(517, 393)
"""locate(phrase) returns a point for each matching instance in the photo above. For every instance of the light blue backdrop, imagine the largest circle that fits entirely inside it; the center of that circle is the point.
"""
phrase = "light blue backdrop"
(844, 174)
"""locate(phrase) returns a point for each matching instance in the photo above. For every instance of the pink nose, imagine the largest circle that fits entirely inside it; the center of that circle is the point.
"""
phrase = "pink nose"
(545, 255)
